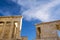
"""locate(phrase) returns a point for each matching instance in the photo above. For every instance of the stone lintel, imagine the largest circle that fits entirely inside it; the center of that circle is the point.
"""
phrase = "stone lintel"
(46, 22)
(10, 16)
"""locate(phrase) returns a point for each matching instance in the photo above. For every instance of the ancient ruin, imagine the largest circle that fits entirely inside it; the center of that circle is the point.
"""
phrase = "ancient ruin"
(10, 27)
(47, 30)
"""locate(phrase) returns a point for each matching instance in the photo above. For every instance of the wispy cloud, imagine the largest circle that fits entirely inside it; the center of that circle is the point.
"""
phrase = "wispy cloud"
(40, 10)
(30, 3)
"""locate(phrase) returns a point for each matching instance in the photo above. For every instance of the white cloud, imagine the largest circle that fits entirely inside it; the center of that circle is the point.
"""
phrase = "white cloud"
(42, 12)
(39, 10)
(29, 3)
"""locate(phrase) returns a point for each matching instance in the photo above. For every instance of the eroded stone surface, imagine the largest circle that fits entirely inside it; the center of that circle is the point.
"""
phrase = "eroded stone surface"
(8, 29)
(48, 30)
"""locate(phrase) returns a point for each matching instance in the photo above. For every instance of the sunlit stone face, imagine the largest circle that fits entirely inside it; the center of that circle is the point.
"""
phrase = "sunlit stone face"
(10, 27)
(20, 24)
(16, 24)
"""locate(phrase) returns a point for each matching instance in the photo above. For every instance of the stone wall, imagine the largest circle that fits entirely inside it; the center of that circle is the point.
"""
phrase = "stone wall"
(8, 29)
(48, 30)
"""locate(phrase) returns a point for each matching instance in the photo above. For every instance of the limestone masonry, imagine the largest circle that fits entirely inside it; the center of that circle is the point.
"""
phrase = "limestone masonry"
(10, 27)
(47, 30)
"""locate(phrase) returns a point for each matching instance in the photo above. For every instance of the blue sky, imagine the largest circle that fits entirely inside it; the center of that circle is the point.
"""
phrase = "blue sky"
(33, 11)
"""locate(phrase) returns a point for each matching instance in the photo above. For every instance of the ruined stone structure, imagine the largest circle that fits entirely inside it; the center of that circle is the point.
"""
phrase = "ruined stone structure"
(10, 27)
(47, 30)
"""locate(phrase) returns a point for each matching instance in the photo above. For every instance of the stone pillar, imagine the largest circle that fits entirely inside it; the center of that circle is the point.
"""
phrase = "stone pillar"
(11, 30)
(18, 30)
(3, 30)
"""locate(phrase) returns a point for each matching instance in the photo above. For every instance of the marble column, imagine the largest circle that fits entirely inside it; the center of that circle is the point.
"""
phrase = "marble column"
(11, 30)
(18, 30)
(3, 30)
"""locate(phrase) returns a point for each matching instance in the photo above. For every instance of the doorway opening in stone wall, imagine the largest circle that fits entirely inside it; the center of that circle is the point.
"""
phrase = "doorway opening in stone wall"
(39, 31)
(58, 30)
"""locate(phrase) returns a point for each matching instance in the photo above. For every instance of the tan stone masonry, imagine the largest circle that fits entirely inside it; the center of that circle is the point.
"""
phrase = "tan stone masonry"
(10, 27)
(47, 30)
